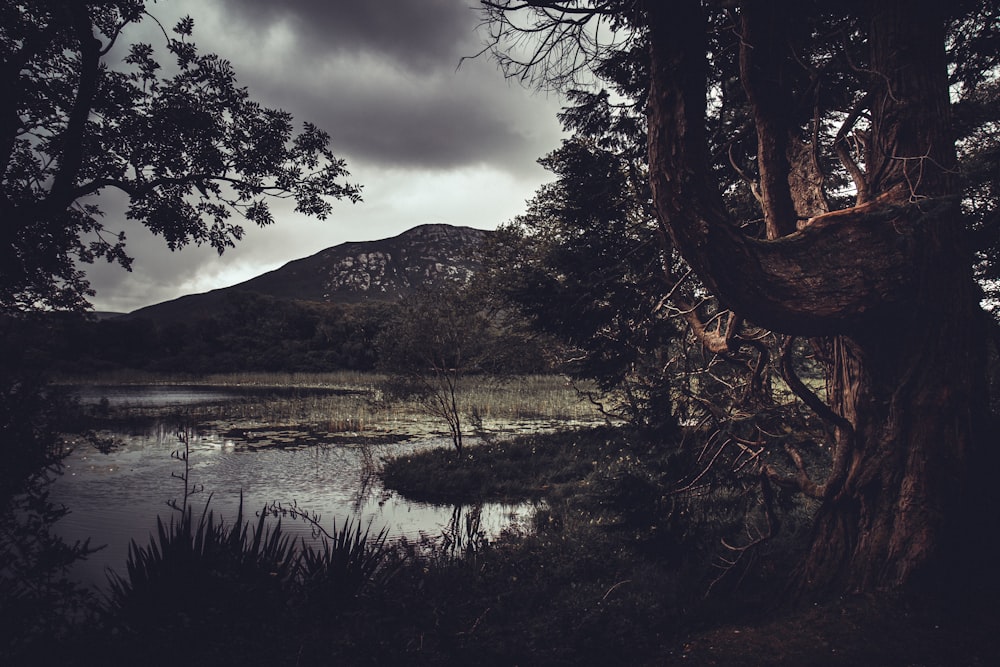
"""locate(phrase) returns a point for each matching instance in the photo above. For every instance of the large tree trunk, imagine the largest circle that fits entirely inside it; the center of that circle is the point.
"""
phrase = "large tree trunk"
(910, 392)
(907, 384)
(888, 283)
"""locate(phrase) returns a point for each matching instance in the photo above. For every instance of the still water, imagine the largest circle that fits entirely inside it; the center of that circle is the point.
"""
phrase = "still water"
(115, 497)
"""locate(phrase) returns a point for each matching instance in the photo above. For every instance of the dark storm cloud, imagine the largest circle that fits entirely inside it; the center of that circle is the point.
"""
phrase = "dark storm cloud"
(416, 34)
(384, 78)
(437, 122)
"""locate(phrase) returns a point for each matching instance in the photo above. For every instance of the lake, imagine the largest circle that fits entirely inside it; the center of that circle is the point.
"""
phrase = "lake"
(116, 495)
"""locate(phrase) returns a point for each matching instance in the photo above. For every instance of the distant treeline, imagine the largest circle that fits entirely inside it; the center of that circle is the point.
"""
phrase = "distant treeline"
(247, 332)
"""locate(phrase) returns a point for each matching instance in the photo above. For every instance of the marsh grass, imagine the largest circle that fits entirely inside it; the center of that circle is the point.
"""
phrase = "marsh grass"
(320, 406)
(348, 564)
(521, 468)
(334, 379)
(529, 397)
(202, 574)
(613, 570)
(610, 564)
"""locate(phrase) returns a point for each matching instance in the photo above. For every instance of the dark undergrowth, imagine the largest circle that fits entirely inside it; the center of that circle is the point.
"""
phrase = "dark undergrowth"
(524, 468)
(616, 568)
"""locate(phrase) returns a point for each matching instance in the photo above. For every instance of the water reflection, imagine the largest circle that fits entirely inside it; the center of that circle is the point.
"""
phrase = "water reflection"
(116, 496)
(153, 395)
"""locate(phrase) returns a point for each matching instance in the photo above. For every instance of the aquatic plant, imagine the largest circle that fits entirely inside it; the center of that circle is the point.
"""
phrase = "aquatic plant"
(348, 564)
(203, 571)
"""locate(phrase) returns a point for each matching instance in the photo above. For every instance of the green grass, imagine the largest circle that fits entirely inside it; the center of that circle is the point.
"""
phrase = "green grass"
(520, 468)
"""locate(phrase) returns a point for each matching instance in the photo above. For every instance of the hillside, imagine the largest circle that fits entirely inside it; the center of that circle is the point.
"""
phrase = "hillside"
(349, 273)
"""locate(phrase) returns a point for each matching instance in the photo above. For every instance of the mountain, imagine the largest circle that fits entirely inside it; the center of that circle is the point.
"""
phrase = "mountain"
(354, 272)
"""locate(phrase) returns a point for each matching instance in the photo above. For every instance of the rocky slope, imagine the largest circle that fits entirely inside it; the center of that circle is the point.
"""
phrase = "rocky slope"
(355, 272)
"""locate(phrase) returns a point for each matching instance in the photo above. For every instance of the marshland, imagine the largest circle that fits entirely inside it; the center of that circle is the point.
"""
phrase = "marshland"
(317, 440)
(276, 518)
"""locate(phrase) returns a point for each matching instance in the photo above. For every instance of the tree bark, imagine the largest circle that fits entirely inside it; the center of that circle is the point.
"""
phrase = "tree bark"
(889, 281)
(764, 52)
(910, 390)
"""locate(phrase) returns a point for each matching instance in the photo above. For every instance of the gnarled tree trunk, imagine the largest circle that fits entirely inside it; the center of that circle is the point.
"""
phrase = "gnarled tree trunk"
(888, 283)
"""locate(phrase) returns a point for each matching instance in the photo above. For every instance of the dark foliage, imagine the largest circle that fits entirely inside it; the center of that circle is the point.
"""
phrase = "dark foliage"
(247, 332)
(39, 602)
(74, 125)
(202, 574)
(585, 267)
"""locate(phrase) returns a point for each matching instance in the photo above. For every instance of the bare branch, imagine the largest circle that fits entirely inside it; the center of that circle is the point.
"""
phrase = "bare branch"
(756, 535)
(560, 42)
(844, 154)
(843, 438)
(754, 186)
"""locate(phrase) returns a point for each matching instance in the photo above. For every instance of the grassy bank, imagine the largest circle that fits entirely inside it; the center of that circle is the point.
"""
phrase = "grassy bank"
(622, 563)
(615, 568)
(522, 468)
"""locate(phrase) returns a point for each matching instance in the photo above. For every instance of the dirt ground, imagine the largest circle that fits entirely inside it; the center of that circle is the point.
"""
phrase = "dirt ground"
(860, 632)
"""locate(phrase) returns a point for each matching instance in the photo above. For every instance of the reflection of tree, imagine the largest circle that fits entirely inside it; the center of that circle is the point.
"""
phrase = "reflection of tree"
(464, 534)
(367, 473)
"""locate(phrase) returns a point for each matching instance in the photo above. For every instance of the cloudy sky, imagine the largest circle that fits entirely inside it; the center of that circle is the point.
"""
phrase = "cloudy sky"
(429, 140)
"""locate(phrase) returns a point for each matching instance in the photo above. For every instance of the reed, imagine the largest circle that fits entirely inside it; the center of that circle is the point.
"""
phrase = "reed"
(123, 377)
(529, 397)
(349, 402)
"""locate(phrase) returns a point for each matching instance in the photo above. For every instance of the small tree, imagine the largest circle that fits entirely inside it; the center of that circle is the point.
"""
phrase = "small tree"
(582, 265)
(436, 339)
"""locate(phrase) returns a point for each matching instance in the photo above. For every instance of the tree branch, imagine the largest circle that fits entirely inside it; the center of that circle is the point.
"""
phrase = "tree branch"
(762, 65)
(564, 46)
(844, 434)
(844, 154)
(61, 195)
(11, 67)
(803, 283)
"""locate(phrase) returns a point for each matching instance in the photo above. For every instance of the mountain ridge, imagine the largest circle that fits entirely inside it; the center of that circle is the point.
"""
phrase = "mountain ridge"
(382, 270)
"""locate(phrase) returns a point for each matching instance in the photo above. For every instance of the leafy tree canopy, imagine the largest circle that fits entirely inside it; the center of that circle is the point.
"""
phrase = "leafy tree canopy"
(184, 143)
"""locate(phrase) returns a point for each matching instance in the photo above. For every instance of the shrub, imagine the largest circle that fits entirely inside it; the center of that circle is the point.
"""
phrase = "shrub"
(203, 574)
(349, 564)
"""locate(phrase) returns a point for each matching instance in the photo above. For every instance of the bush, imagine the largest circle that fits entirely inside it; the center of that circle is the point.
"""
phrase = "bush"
(349, 564)
(203, 574)
(38, 602)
